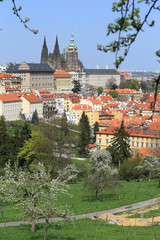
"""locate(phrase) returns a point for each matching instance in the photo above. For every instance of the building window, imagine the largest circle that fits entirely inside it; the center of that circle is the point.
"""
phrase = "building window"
(141, 144)
(99, 140)
(132, 144)
(137, 144)
(106, 141)
(146, 145)
(132, 137)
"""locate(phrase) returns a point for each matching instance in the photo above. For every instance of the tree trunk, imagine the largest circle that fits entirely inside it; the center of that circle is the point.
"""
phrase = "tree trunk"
(119, 163)
(102, 192)
(46, 228)
(33, 226)
(96, 194)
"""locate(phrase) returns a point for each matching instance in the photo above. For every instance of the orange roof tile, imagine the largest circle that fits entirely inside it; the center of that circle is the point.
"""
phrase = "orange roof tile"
(82, 107)
(9, 98)
(32, 98)
(61, 73)
(146, 151)
(94, 101)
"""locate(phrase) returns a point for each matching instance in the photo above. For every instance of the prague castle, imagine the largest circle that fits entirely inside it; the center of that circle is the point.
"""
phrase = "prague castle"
(68, 60)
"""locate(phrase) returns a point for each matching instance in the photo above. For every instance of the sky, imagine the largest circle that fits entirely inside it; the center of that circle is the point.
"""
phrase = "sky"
(87, 19)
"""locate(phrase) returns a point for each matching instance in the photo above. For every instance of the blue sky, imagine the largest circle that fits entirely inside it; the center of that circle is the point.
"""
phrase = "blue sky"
(88, 19)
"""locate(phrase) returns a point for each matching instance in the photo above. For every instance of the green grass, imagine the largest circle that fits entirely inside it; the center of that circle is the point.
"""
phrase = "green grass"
(83, 229)
(84, 202)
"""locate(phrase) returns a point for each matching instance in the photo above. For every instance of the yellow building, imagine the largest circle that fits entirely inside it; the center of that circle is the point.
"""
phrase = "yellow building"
(63, 80)
(93, 116)
(139, 137)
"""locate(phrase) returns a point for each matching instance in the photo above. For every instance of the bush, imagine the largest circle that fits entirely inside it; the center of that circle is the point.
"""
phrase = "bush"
(128, 169)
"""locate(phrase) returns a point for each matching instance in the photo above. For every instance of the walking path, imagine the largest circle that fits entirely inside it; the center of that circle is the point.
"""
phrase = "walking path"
(89, 215)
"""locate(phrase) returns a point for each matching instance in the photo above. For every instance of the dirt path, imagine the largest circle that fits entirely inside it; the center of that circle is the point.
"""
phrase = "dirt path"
(90, 215)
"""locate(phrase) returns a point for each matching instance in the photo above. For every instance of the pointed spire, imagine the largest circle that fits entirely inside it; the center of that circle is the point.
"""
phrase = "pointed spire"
(56, 55)
(44, 53)
(44, 43)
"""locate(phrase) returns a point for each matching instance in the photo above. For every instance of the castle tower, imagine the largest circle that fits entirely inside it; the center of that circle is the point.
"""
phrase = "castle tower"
(56, 60)
(72, 55)
(44, 53)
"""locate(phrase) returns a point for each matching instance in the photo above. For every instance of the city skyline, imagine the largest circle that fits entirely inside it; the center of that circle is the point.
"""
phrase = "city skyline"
(87, 20)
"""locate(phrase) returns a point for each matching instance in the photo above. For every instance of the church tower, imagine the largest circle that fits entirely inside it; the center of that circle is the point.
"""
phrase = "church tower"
(72, 55)
(44, 53)
(56, 60)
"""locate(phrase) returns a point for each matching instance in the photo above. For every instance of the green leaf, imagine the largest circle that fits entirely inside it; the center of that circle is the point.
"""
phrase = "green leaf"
(20, 7)
(27, 19)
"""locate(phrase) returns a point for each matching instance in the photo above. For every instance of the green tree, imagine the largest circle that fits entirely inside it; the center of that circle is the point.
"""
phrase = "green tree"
(63, 144)
(35, 119)
(134, 85)
(36, 149)
(113, 93)
(6, 147)
(25, 132)
(85, 135)
(64, 124)
(128, 168)
(150, 167)
(95, 129)
(120, 146)
(100, 175)
(100, 90)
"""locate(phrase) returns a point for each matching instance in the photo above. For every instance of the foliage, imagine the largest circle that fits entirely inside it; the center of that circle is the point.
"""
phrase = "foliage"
(35, 119)
(128, 25)
(69, 173)
(36, 149)
(95, 129)
(120, 147)
(84, 135)
(36, 192)
(128, 168)
(134, 85)
(144, 86)
(64, 124)
(6, 146)
(100, 175)
(150, 166)
(16, 11)
(62, 144)
(77, 86)
(99, 90)
(124, 84)
(113, 93)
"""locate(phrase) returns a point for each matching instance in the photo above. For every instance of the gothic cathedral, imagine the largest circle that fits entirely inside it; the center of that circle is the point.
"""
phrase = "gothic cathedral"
(68, 60)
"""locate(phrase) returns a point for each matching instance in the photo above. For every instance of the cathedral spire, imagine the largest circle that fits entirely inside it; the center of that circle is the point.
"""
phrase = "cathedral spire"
(56, 55)
(44, 53)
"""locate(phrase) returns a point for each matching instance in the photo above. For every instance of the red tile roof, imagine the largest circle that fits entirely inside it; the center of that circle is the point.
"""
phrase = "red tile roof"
(146, 151)
(6, 75)
(94, 101)
(62, 74)
(82, 107)
(9, 98)
(32, 98)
